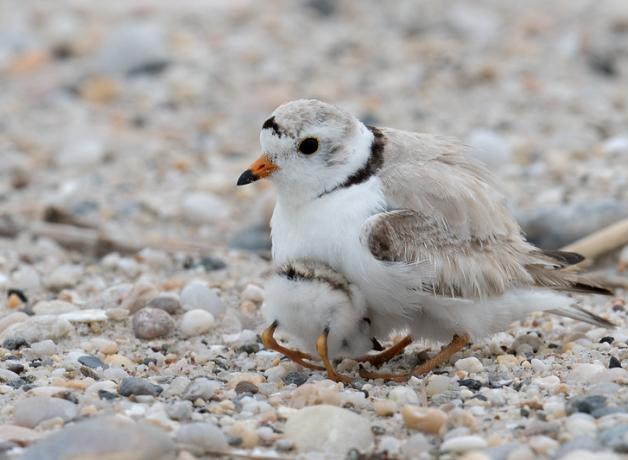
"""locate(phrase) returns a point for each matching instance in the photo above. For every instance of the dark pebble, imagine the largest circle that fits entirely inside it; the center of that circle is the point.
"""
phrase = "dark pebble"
(211, 263)
(613, 362)
(19, 293)
(92, 362)
(234, 441)
(15, 343)
(586, 404)
(378, 430)
(35, 363)
(249, 348)
(295, 377)
(69, 396)
(16, 383)
(607, 339)
(246, 387)
(15, 367)
(136, 386)
(88, 372)
(107, 395)
(471, 384)
(149, 361)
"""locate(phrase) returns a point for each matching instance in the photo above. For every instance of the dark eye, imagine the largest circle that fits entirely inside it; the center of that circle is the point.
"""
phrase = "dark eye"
(308, 146)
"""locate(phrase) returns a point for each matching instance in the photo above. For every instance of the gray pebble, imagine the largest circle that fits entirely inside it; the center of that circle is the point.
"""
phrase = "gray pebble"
(578, 443)
(616, 438)
(297, 378)
(92, 362)
(586, 404)
(201, 388)
(179, 410)
(136, 386)
(32, 411)
(168, 304)
(202, 437)
(104, 438)
(246, 387)
(15, 343)
(152, 323)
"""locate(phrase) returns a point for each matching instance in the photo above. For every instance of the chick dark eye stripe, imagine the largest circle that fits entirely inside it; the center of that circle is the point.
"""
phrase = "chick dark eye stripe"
(373, 164)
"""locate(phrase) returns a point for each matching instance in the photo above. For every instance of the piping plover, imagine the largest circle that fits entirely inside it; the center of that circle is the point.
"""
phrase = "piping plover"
(418, 226)
(324, 314)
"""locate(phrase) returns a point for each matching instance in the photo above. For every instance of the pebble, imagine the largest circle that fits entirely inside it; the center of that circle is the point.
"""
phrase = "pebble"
(104, 438)
(384, 407)
(437, 384)
(117, 360)
(179, 410)
(64, 276)
(202, 388)
(169, 304)
(203, 208)
(53, 307)
(470, 364)
(587, 404)
(104, 345)
(78, 152)
(329, 429)
(39, 328)
(12, 318)
(463, 444)
(580, 424)
(253, 293)
(196, 295)
(426, 420)
(403, 395)
(543, 445)
(196, 322)
(43, 348)
(201, 438)
(296, 378)
(30, 412)
(138, 298)
(246, 433)
(18, 434)
(152, 323)
(246, 387)
(92, 362)
(617, 145)
(415, 443)
(15, 343)
(616, 438)
(132, 386)
(26, 278)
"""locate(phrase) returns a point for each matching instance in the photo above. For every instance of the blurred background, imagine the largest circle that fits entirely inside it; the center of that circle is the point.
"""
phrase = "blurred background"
(136, 117)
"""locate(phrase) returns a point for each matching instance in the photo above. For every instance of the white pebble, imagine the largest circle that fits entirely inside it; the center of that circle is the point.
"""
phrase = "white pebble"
(470, 364)
(26, 278)
(550, 382)
(438, 384)
(203, 208)
(44, 348)
(617, 145)
(196, 295)
(463, 444)
(581, 425)
(403, 395)
(196, 322)
(253, 293)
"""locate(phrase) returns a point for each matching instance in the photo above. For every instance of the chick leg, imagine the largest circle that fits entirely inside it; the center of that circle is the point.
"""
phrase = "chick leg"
(321, 347)
(387, 354)
(269, 341)
(456, 344)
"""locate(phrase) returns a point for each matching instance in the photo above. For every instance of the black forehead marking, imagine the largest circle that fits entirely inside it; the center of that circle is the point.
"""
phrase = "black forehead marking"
(272, 124)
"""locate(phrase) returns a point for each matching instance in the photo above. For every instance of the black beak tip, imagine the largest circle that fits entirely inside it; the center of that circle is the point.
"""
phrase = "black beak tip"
(247, 177)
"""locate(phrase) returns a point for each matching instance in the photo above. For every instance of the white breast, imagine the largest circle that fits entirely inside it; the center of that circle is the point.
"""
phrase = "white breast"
(328, 228)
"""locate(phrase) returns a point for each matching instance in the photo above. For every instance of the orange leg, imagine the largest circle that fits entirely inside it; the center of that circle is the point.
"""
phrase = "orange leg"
(321, 347)
(388, 354)
(268, 339)
(456, 344)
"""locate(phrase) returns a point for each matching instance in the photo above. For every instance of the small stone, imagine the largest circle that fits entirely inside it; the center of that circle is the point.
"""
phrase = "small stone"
(105, 346)
(614, 363)
(527, 344)
(196, 322)
(329, 429)
(80, 151)
(423, 419)
(53, 307)
(12, 318)
(550, 382)
(579, 424)
(30, 412)
(617, 145)
(403, 395)
(463, 444)
(196, 295)
(607, 339)
(117, 314)
(44, 348)
(297, 378)
(507, 360)
(38, 328)
(202, 438)
(104, 438)
(167, 303)
(152, 323)
(15, 343)
(418, 442)
(202, 388)
(384, 407)
(132, 386)
(586, 404)
(203, 208)
(18, 434)
(140, 295)
(470, 364)
(246, 387)
(26, 279)
(119, 361)
(253, 293)
(12, 366)
(92, 362)
(616, 438)
(179, 410)
(438, 384)
(244, 431)
(543, 445)
(65, 276)
(471, 384)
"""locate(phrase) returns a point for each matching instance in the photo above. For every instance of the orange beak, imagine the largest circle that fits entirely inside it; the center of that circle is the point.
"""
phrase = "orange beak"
(262, 167)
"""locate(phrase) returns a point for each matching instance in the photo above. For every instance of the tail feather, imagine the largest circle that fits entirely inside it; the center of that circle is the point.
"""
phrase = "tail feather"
(580, 314)
(563, 280)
